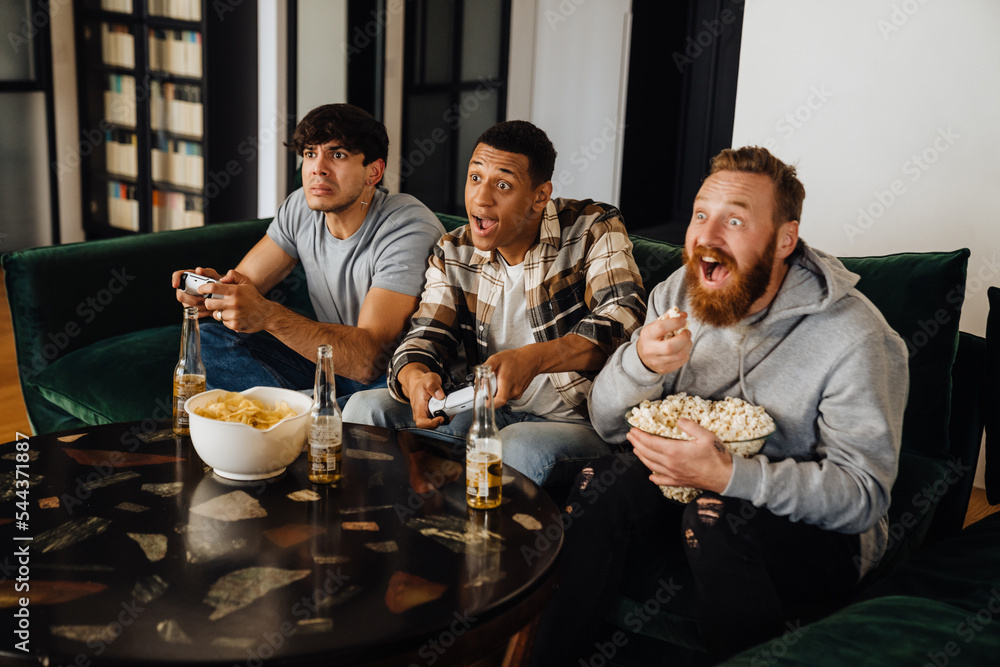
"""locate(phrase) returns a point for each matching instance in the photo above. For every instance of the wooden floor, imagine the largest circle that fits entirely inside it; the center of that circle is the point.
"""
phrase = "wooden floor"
(979, 507)
(14, 418)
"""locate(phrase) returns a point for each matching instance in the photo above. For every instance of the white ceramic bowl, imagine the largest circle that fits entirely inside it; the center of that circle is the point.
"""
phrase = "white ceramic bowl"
(242, 452)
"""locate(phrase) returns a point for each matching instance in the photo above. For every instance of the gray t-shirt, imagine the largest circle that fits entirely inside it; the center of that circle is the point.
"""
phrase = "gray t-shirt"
(389, 250)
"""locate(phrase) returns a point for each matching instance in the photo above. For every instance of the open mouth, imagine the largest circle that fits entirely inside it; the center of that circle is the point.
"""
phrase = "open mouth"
(483, 225)
(713, 270)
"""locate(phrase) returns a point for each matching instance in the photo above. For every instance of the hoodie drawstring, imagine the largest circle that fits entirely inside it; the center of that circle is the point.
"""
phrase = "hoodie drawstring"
(743, 356)
(695, 331)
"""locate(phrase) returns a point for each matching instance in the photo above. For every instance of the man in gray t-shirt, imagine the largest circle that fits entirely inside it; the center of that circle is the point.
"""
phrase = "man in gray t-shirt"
(363, 250)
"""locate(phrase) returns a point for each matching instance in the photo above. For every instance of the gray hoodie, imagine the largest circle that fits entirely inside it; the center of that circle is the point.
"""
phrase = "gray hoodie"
(825, 365)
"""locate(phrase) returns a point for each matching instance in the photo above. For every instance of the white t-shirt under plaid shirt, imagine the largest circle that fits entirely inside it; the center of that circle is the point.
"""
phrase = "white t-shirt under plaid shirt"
(509, 330)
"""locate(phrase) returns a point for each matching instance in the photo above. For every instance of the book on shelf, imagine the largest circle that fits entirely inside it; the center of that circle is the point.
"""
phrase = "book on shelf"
(178, 162)
(176, 210)
(144, 100)
(175, 52)
(185, 10)
(176, 107)
(117, 45)
(123, 207)
(122, 153)
(119, 99)
(123, 6)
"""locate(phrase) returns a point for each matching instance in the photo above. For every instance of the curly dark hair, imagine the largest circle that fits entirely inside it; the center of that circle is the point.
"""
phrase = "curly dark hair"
(788, 189)
(355, 129)
(523, 138)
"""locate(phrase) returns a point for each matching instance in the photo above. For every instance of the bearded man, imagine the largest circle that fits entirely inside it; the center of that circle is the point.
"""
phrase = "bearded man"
(775, 323)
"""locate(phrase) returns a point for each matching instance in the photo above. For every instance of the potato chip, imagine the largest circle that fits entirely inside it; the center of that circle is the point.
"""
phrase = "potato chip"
(235, 407)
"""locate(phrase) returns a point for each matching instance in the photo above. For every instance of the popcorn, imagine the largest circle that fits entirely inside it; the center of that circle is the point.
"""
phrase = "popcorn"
(673, 312)
(742, 427)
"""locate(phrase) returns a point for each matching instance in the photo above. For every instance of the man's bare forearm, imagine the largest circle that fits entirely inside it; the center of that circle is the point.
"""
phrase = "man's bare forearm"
(357, 354)
(569, 353)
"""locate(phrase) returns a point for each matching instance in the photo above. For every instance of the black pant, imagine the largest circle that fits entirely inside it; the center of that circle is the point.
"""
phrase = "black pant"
(753, 570)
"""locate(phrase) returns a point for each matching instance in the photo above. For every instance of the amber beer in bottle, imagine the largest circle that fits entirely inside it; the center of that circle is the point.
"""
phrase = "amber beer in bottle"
(189, 373)
(326, 429)
(483, 452)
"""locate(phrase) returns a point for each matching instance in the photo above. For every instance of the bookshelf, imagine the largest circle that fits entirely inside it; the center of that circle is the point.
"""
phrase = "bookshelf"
(152, 74)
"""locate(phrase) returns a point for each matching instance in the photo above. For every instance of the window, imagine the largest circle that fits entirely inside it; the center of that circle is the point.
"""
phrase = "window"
(29, 210)
(455, 87)
(674, 132)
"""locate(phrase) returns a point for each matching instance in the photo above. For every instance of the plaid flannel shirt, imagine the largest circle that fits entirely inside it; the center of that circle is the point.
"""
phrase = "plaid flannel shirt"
(579, 278)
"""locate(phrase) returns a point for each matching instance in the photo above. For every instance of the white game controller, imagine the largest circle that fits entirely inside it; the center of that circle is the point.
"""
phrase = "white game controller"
(458, 401)
(191, 281)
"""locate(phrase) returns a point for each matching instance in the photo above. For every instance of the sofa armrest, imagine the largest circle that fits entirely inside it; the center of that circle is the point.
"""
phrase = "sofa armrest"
(991, 397)
(965, 435)
(64, 298)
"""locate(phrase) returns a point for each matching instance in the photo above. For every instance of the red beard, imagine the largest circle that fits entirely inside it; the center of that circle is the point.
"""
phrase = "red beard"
(727, 306)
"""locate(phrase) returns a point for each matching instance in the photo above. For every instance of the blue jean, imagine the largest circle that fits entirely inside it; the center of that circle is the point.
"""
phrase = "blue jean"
(545, 451)
(237, 361)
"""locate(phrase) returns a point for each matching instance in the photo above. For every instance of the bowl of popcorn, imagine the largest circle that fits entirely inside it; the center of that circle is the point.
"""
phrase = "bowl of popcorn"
(249, 435)
(742, 427)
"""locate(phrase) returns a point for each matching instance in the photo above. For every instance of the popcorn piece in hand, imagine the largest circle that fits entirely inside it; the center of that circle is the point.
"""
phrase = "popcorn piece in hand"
(673, 312)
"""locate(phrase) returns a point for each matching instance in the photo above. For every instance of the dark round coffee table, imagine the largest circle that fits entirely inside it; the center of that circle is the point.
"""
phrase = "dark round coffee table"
(140, 554)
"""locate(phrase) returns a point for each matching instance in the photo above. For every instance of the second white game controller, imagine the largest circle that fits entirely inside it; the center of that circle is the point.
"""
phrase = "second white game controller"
(452, 404)
(191, 281)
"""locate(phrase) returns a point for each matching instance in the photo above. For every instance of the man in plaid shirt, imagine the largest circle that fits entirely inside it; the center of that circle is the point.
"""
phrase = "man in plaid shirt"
(543, 290)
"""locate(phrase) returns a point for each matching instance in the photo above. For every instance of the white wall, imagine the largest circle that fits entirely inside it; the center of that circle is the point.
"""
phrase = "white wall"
(272, 111)
(578, 91)
(889, 109)
(322, 65)
(904, 99)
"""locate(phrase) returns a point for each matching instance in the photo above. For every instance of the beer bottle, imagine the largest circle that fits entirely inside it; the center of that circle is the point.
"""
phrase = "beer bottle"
(483, 457)
(326, 428)
(189, 373)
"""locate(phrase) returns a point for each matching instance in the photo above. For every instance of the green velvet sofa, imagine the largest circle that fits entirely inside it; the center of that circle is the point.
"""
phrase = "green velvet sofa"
(97, 329)
(941, 607)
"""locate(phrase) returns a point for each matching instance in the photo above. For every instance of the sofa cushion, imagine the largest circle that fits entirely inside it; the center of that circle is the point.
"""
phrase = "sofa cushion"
(656, 259)
(99, 385)
(940, 607)
(451, 222)
(916, 495)
(897, 630)
(921, 296)
(962, 570)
